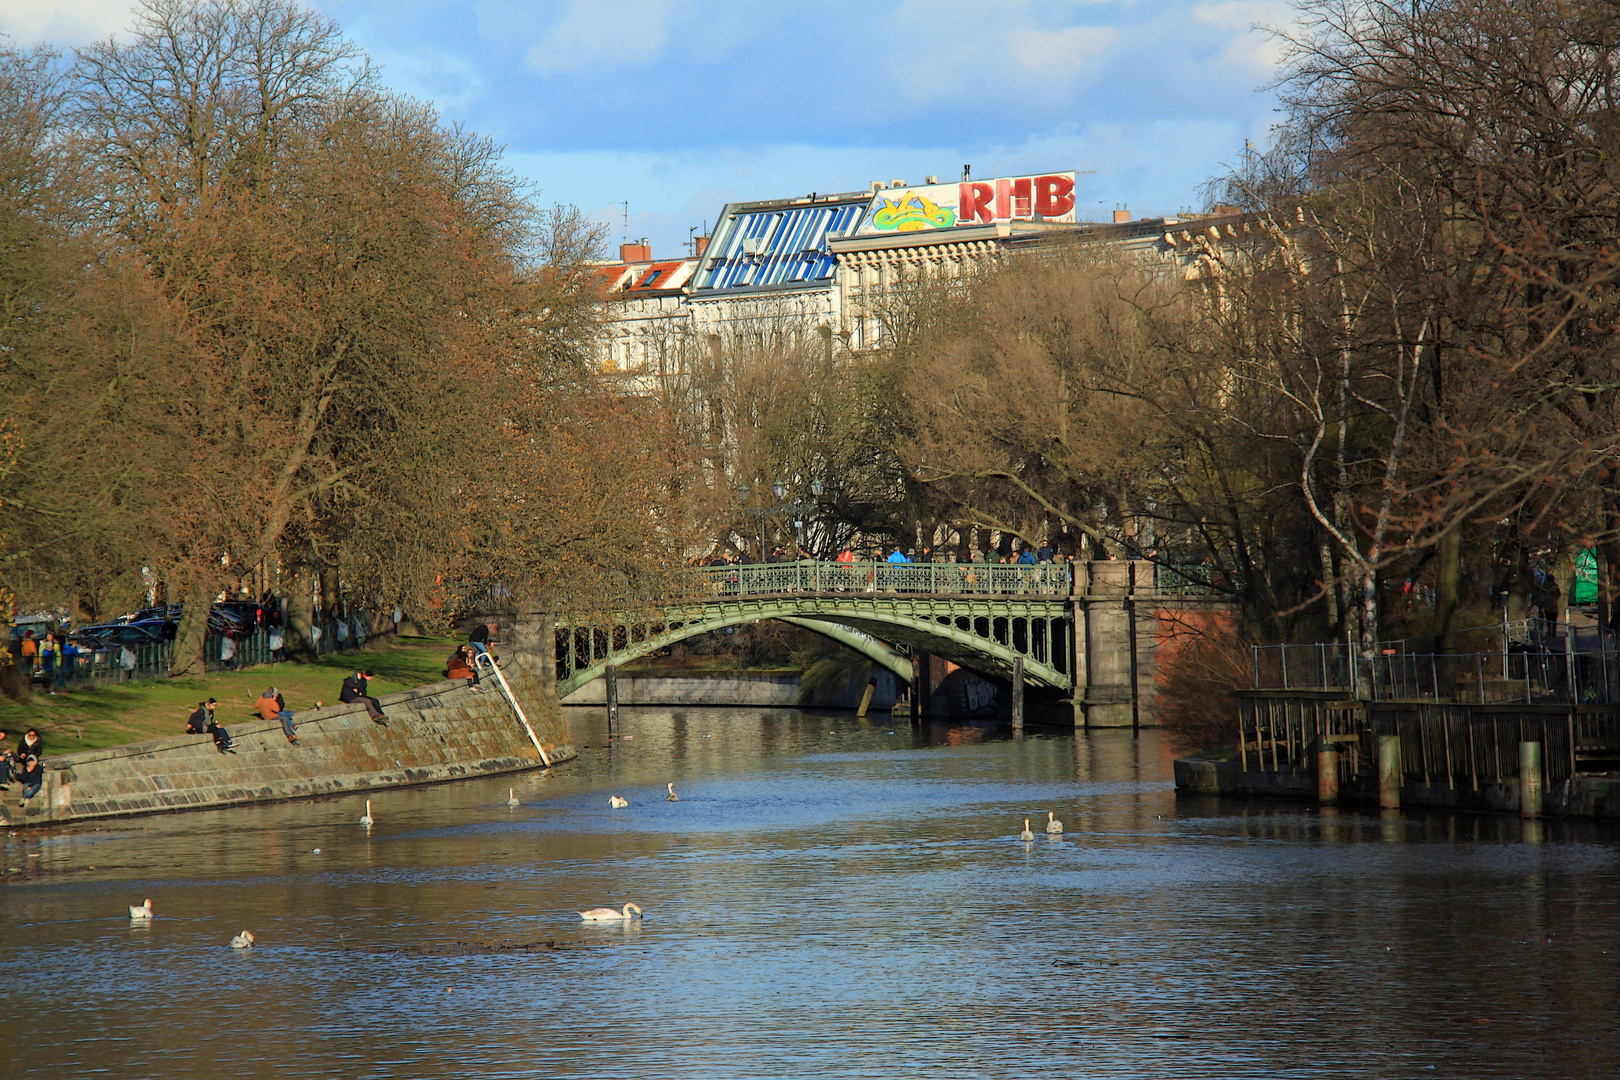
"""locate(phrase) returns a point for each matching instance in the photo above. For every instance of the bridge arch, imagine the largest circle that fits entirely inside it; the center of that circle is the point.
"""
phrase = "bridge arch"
(989, 638)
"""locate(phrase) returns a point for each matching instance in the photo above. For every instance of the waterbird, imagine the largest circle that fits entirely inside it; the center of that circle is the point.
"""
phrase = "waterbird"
(618, 802)
(607, 914)
(672, 796)
(142, 912)
(367, 819)
(1053, 825)
(511, 797)
(244, 940)
(1026, 834)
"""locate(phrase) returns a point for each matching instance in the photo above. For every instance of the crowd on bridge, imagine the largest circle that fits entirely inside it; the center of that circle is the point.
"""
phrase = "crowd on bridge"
(1015, 555)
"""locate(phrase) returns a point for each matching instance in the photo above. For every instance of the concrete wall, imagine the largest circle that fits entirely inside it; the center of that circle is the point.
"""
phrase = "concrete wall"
(760, 691)
(444, 731)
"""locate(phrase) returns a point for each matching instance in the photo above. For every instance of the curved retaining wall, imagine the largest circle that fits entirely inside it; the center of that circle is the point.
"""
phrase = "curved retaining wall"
(443, 731)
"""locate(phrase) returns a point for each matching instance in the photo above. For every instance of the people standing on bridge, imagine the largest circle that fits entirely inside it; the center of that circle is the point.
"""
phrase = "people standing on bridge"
(354, 689)
(1026, 557)
(1045, 554)
(846, 556)
(897, 556)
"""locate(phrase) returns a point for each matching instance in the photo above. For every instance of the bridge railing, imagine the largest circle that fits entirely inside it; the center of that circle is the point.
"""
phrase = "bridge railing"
(776, 579)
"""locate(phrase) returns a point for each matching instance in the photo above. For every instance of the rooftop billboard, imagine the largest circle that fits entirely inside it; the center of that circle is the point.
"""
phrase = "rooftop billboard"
(1049, 197)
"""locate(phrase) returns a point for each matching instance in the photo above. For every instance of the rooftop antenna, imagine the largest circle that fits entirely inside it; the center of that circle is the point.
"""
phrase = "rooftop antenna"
(626, 205)
(691, 240)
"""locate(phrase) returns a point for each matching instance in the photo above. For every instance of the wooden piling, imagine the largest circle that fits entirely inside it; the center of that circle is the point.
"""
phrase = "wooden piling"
(1018, 694)
(1530, 779)
(1389, 772)
(1327, 775)
(866, 699)
(612, 677)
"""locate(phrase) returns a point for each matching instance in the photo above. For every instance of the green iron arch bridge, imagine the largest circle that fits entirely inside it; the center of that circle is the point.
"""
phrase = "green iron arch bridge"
(990, 618)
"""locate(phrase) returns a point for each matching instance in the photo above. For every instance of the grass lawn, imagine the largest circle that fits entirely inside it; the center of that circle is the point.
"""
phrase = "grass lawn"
(93, 716)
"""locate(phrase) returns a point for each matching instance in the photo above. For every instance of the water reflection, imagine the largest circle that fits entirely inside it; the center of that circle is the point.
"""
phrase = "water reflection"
(830, 897)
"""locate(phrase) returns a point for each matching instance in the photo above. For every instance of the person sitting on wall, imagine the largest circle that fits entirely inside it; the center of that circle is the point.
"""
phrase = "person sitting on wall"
(33, 777)
(6, 761)
(479, 638)
(354, 689)
(460, 666)
(222, 738)
(197, 723)
(271, 706)
(31, 746)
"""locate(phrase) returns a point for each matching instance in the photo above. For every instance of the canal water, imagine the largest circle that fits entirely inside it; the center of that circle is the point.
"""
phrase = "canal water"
(828, 898)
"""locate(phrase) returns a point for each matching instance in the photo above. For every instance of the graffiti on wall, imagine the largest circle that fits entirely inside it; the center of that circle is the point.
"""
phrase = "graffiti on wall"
(1047, 197)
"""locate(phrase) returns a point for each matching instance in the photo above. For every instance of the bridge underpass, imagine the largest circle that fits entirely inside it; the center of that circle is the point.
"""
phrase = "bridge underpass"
(1085, 634)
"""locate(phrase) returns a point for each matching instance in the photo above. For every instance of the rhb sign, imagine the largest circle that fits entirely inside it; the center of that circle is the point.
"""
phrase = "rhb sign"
(1049, 196)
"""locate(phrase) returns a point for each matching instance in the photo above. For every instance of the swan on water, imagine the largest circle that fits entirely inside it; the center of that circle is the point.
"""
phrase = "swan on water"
(244, 940)
(1053, 825)
(618, 802)
(511, 797)
(672, 796)
(367, 819)
(142, 912)
(1026, 834)
(607, 914)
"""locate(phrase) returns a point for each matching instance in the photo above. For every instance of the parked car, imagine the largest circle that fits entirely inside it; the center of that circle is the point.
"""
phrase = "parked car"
(116, 634)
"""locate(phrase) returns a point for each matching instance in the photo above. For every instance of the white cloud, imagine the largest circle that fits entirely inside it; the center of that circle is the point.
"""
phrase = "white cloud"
(592, 33)
(1250, 46)
(62, 22)
(952, 50)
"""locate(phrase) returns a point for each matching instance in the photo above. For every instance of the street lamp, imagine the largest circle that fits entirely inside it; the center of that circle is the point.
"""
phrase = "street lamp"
(799, 509)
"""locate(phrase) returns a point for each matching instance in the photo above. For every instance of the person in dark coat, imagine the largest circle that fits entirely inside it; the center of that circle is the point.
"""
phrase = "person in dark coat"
(197, 723)
(33, 777)
(222, 738)
(479, 638)
(354, 689)
(31, 745)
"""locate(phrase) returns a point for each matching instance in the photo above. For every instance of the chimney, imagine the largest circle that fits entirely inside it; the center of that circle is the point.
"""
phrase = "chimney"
(637, 252)
(699, 246)
(1121, 216)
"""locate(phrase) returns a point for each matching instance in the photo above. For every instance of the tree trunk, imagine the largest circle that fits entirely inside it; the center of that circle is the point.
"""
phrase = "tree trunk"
(186, 654)
(1449, 574)
(301, 615)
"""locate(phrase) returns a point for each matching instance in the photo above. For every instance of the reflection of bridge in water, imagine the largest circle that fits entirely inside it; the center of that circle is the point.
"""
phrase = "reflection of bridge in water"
(1081, 634)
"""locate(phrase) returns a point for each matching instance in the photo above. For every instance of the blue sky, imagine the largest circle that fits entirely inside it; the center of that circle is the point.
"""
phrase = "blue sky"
(679, 106)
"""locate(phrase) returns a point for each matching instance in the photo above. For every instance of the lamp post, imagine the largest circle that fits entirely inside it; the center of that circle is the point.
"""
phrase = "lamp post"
(798, 508)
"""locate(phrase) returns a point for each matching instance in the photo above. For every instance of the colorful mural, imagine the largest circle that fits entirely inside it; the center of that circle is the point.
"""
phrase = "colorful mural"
(1047, 197)
(910, 212)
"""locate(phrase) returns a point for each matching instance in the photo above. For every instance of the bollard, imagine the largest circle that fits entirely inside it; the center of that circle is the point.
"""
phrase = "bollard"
(1389, 772)
(1530, 779)
(612, 677)
(1018, 694)
(1327, 775)
(866, 699)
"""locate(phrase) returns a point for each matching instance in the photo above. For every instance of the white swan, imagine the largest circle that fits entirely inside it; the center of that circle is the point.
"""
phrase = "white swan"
(1053, 825)
(244, 940)
(672, 796)
(618, 803)
(607, 914)
(511, 797)
(1026, 834)
(142, 912)
(367, 820)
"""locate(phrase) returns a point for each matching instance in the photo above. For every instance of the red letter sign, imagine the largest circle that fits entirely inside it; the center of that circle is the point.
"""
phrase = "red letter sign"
(1054, 195)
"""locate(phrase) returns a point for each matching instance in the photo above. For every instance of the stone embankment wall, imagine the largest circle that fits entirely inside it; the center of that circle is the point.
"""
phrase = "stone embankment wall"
(760, 691)
(443, 731)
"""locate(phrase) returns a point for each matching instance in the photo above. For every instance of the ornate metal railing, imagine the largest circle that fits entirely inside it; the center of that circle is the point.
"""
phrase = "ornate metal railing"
(950, 579)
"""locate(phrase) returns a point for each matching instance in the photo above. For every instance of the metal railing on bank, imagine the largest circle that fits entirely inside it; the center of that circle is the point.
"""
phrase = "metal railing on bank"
(1522, 674)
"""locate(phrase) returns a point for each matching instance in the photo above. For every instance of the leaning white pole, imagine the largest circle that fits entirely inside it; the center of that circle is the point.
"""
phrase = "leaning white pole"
(485, 660)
